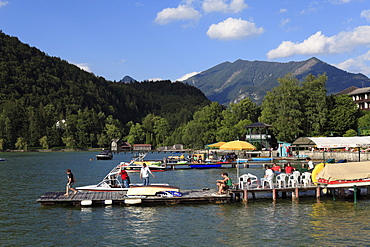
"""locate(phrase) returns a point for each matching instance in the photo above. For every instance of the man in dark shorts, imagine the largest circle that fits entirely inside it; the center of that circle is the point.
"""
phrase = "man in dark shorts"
(70, 182)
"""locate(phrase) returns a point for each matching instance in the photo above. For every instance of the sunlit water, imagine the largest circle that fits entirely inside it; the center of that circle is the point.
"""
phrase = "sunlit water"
(26, 176)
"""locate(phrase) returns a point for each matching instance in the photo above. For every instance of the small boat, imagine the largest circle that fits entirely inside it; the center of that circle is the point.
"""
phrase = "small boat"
(205, 165)
(240, 160)
(136, 164)
(262, 159)
(2, 159)
(111, 183)
(341, 175)
(104, 155)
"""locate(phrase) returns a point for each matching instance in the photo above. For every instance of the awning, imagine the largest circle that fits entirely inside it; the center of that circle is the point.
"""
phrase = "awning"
(341, 142)
(333, 142)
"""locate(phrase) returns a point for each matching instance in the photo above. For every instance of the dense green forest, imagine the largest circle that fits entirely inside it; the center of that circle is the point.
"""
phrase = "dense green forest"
(48, 103)
(38, 91)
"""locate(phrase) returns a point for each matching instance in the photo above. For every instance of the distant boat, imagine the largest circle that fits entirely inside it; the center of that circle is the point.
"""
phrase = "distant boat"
(104, 155)
(262, 159)
(136, 164)
(2, 159)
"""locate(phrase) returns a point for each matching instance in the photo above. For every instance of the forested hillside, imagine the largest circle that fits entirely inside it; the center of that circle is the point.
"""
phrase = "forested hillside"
(38, 91)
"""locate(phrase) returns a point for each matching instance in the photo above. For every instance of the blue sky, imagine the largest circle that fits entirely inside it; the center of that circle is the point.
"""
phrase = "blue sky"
(167, 39)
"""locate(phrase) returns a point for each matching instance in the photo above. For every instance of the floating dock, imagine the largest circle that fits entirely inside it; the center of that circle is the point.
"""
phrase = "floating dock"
(88, 198)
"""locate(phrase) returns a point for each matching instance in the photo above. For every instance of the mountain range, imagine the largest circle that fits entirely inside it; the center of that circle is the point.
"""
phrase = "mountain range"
(231, 82)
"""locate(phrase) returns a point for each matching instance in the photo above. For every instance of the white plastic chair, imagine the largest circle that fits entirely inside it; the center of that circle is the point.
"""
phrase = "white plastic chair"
(243, 181)
(253, 179)
(293, 179)
(306, 178)
(247, 180)
(265, 181)
(281, 179)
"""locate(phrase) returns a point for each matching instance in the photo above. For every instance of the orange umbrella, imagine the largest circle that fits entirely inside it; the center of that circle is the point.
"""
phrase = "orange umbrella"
(237, 145)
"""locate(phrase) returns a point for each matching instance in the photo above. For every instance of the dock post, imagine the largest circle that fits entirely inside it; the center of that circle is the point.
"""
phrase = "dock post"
(354, 194)
(245, 196)
(274, 195)
(318, 192)
(333, 194)
(296, 193)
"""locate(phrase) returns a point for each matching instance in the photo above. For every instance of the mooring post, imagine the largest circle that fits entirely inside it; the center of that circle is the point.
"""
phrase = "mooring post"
(333, 192)
(274, 195)
(245, 196)
(296, 193)
(355, 194)
(318, 192)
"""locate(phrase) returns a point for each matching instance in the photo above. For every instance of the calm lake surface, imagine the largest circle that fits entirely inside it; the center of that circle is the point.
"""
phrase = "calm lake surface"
(26, 176)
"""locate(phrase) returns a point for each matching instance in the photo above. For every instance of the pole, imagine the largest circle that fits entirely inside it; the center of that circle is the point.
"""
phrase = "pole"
(354, 194)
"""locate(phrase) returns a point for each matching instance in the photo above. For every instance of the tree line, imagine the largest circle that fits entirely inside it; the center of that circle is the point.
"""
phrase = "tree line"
(48, 103)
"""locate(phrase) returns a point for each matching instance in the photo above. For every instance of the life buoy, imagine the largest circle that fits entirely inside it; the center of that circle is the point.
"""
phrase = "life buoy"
(315, 171)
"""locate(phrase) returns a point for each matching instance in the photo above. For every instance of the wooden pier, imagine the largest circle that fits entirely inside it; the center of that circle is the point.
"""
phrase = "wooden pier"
(89, 198)
(295, 191)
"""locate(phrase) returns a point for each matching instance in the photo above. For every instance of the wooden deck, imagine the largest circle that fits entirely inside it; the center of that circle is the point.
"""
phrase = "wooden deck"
(108, 198)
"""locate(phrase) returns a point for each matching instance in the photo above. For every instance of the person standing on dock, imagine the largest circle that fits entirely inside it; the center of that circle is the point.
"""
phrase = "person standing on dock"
(144, 174)
(310, 164)
(125, 178)
(71, 180)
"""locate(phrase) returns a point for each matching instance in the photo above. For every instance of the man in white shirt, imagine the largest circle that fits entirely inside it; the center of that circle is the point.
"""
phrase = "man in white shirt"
(269, 175)
(144, 174)
(310, 164)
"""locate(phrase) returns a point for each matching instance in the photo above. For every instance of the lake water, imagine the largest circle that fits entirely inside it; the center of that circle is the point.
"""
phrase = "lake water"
(26, 176)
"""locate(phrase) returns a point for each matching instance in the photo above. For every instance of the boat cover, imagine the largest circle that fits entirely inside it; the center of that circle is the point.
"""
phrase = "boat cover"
(345, 171)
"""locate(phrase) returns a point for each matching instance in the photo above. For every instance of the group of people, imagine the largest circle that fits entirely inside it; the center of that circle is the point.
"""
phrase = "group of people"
(224, 184)
(144, 175)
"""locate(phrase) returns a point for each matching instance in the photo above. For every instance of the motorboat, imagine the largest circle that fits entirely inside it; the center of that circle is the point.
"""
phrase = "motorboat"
(341, 175)
(111, 183)
(104, 155)
(136, 164)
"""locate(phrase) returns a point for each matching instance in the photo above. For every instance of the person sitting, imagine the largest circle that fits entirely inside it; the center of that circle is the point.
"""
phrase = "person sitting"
(224, 184)
(289, 168)
(269, 175)
(276, 168)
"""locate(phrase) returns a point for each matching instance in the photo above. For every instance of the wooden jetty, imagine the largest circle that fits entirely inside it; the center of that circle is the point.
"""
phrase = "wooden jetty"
(295, 191)
(89, 198)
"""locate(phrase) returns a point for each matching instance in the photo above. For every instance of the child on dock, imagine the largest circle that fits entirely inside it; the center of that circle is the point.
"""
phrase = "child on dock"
(70, 182)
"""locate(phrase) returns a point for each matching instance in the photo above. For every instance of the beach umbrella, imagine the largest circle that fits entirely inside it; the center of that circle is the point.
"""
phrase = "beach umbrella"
(216, 145)
(237, 145)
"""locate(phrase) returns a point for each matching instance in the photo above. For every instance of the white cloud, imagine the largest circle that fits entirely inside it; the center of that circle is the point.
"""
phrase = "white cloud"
(283, 22)
(187, 76)
(84, 66)
(235, 6)
(283, 11)
(233, 29)
(339, 1)
(3, 3)
(320, 44)
(182, 12)
(366, 14)
(360, 64)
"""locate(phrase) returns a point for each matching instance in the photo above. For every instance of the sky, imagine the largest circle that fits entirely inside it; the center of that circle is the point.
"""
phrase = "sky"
(170, 39)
